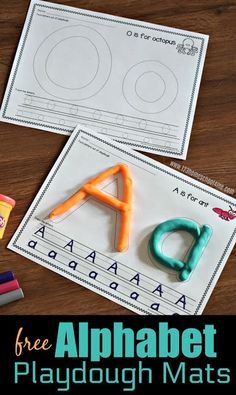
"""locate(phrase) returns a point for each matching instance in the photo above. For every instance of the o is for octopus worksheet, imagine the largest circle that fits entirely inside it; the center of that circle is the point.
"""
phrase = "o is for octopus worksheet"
(133, 81)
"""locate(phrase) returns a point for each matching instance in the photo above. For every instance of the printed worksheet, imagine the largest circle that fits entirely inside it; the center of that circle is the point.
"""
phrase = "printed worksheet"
(81, 243)
(134, 81)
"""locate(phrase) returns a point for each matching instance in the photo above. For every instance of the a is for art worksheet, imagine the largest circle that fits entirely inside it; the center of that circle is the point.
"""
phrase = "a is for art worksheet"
(80, 244)
(134, 81)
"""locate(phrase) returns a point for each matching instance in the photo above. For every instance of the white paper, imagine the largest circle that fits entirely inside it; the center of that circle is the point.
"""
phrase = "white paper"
(92, 227)
(134, 81)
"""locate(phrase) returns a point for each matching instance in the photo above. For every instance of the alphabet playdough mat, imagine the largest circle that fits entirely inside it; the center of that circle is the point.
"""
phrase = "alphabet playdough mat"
(81, 243)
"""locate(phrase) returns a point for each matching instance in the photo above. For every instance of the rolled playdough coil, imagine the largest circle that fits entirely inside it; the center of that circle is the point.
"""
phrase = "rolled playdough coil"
(201, 236)
(125, 205)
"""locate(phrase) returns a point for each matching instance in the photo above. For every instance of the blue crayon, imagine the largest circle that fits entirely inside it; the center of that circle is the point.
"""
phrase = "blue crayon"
(6, 276)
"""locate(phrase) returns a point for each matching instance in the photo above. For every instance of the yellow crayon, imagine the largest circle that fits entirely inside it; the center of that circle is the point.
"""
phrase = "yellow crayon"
(6, 205)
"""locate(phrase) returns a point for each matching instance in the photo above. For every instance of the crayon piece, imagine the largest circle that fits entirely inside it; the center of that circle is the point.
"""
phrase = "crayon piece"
(11, 296)
(6, 276)
(9, 286)
(6, 205)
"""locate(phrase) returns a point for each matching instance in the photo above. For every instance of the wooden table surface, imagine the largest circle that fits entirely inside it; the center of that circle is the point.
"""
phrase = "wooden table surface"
(26, 155)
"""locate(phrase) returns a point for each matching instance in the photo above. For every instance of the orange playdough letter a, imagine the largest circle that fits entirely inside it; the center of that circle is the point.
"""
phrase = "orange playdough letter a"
(125, 205)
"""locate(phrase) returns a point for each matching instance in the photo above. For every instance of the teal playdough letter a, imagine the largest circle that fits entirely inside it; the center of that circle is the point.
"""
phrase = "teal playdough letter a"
(201, 236)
